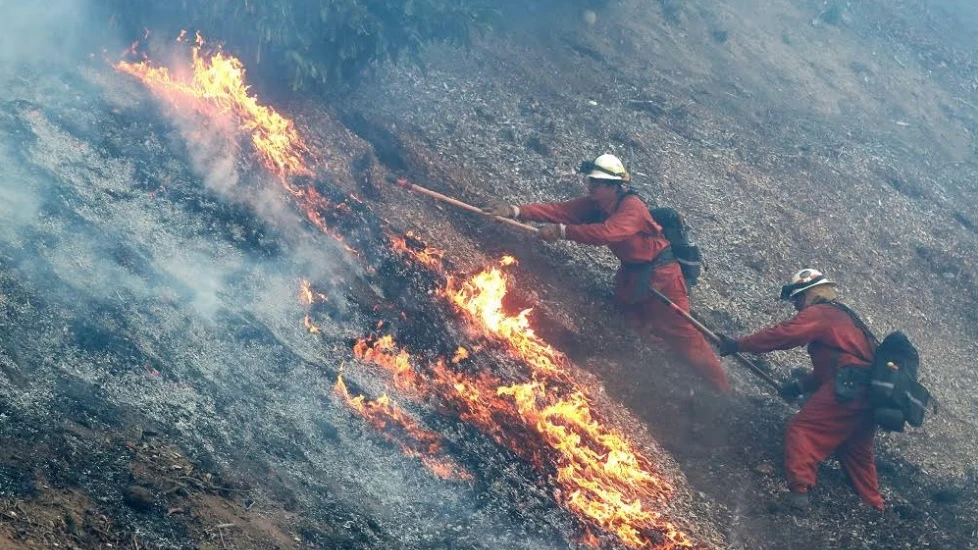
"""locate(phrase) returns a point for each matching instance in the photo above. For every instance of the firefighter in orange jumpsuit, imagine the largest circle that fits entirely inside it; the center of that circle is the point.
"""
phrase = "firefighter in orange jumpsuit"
(823, 425)
(612, 217)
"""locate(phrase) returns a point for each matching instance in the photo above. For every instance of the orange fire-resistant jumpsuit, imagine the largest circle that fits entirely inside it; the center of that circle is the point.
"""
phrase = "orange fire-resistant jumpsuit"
(627, 228)
(823, 425)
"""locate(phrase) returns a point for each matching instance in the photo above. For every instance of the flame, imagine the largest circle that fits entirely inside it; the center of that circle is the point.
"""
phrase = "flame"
(417, 250)
(601, 476)
(309, 296)
(547, 419)
(313, 329)
(217, 82)
(461, 354)
(590, 539)
(595, 471)
(384, 352)
(407, 433)
(215, 87)
(481, 298)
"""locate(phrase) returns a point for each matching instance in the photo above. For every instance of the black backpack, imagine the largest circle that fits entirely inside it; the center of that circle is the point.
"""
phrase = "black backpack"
(676, 231)
(895, 394)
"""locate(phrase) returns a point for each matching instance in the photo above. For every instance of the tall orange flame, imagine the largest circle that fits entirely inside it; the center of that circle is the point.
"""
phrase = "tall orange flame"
(602, 476)
(218, 80)
(595, 471)
(599, 475)
(481, 297)
(215, 86)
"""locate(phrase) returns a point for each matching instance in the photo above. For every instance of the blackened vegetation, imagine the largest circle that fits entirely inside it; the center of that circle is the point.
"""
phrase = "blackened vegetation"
(235, 222)
(128, 486)
(74, 453)
(907, 188)
(430, 329)
(966, 221)
(325, 44)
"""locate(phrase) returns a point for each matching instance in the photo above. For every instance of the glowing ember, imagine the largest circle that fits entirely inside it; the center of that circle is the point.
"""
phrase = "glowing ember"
(407, 433)
(417, 250)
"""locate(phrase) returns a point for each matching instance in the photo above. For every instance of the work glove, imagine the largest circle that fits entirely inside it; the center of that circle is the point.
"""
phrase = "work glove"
(791, 390)
(551, 233)
(726, 345)
(501, 210)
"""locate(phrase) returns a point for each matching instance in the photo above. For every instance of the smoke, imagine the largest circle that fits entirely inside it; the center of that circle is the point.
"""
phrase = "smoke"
(34, 37)
(86, 209)
(36, 32)
(215, 151)
(18, 204)
(140, 245)
(52, 37)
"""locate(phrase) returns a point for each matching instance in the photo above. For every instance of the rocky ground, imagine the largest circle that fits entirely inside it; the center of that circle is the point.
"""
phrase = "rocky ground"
(160, 391)
(790, 139)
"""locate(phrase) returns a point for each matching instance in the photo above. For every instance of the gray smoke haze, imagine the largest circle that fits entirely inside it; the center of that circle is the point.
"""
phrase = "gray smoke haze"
(33, 32)
(43, 48)
(138, 237)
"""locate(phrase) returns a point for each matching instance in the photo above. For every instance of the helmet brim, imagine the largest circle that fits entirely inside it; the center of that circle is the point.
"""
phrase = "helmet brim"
(599, 175)
(789, 292)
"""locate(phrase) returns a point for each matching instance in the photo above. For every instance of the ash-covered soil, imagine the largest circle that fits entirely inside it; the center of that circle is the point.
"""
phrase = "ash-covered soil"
(790, 139)
(159, 389)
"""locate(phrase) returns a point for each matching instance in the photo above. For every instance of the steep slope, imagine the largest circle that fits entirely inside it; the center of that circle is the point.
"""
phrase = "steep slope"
(164, 385)
(790, 138)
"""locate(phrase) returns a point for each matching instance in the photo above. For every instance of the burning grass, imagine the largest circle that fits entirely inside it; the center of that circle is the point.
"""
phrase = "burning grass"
(546, 417)
(592, 469)
(414, 440)
(215, 84)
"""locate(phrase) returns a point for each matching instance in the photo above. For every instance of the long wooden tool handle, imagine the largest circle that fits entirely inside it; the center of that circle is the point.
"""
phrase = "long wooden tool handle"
(464, 205)
(712, 336)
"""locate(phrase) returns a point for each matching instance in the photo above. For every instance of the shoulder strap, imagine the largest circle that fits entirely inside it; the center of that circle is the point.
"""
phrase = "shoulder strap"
(633, 193)
(856, 320)
(630, 193)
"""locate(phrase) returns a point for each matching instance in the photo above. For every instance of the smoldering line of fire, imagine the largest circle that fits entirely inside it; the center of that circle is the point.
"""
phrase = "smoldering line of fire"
(215, 155)
(209, 105)
(457, 389)
(218, 159)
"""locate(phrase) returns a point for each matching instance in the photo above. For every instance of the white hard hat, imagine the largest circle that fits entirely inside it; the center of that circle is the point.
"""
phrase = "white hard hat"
(802, 281)
(607, 167)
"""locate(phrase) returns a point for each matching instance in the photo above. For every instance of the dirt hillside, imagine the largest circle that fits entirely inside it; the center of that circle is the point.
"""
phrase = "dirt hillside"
(161, 387)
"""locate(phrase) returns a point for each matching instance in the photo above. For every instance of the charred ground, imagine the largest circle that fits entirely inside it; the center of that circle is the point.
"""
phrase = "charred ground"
(159, 391)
